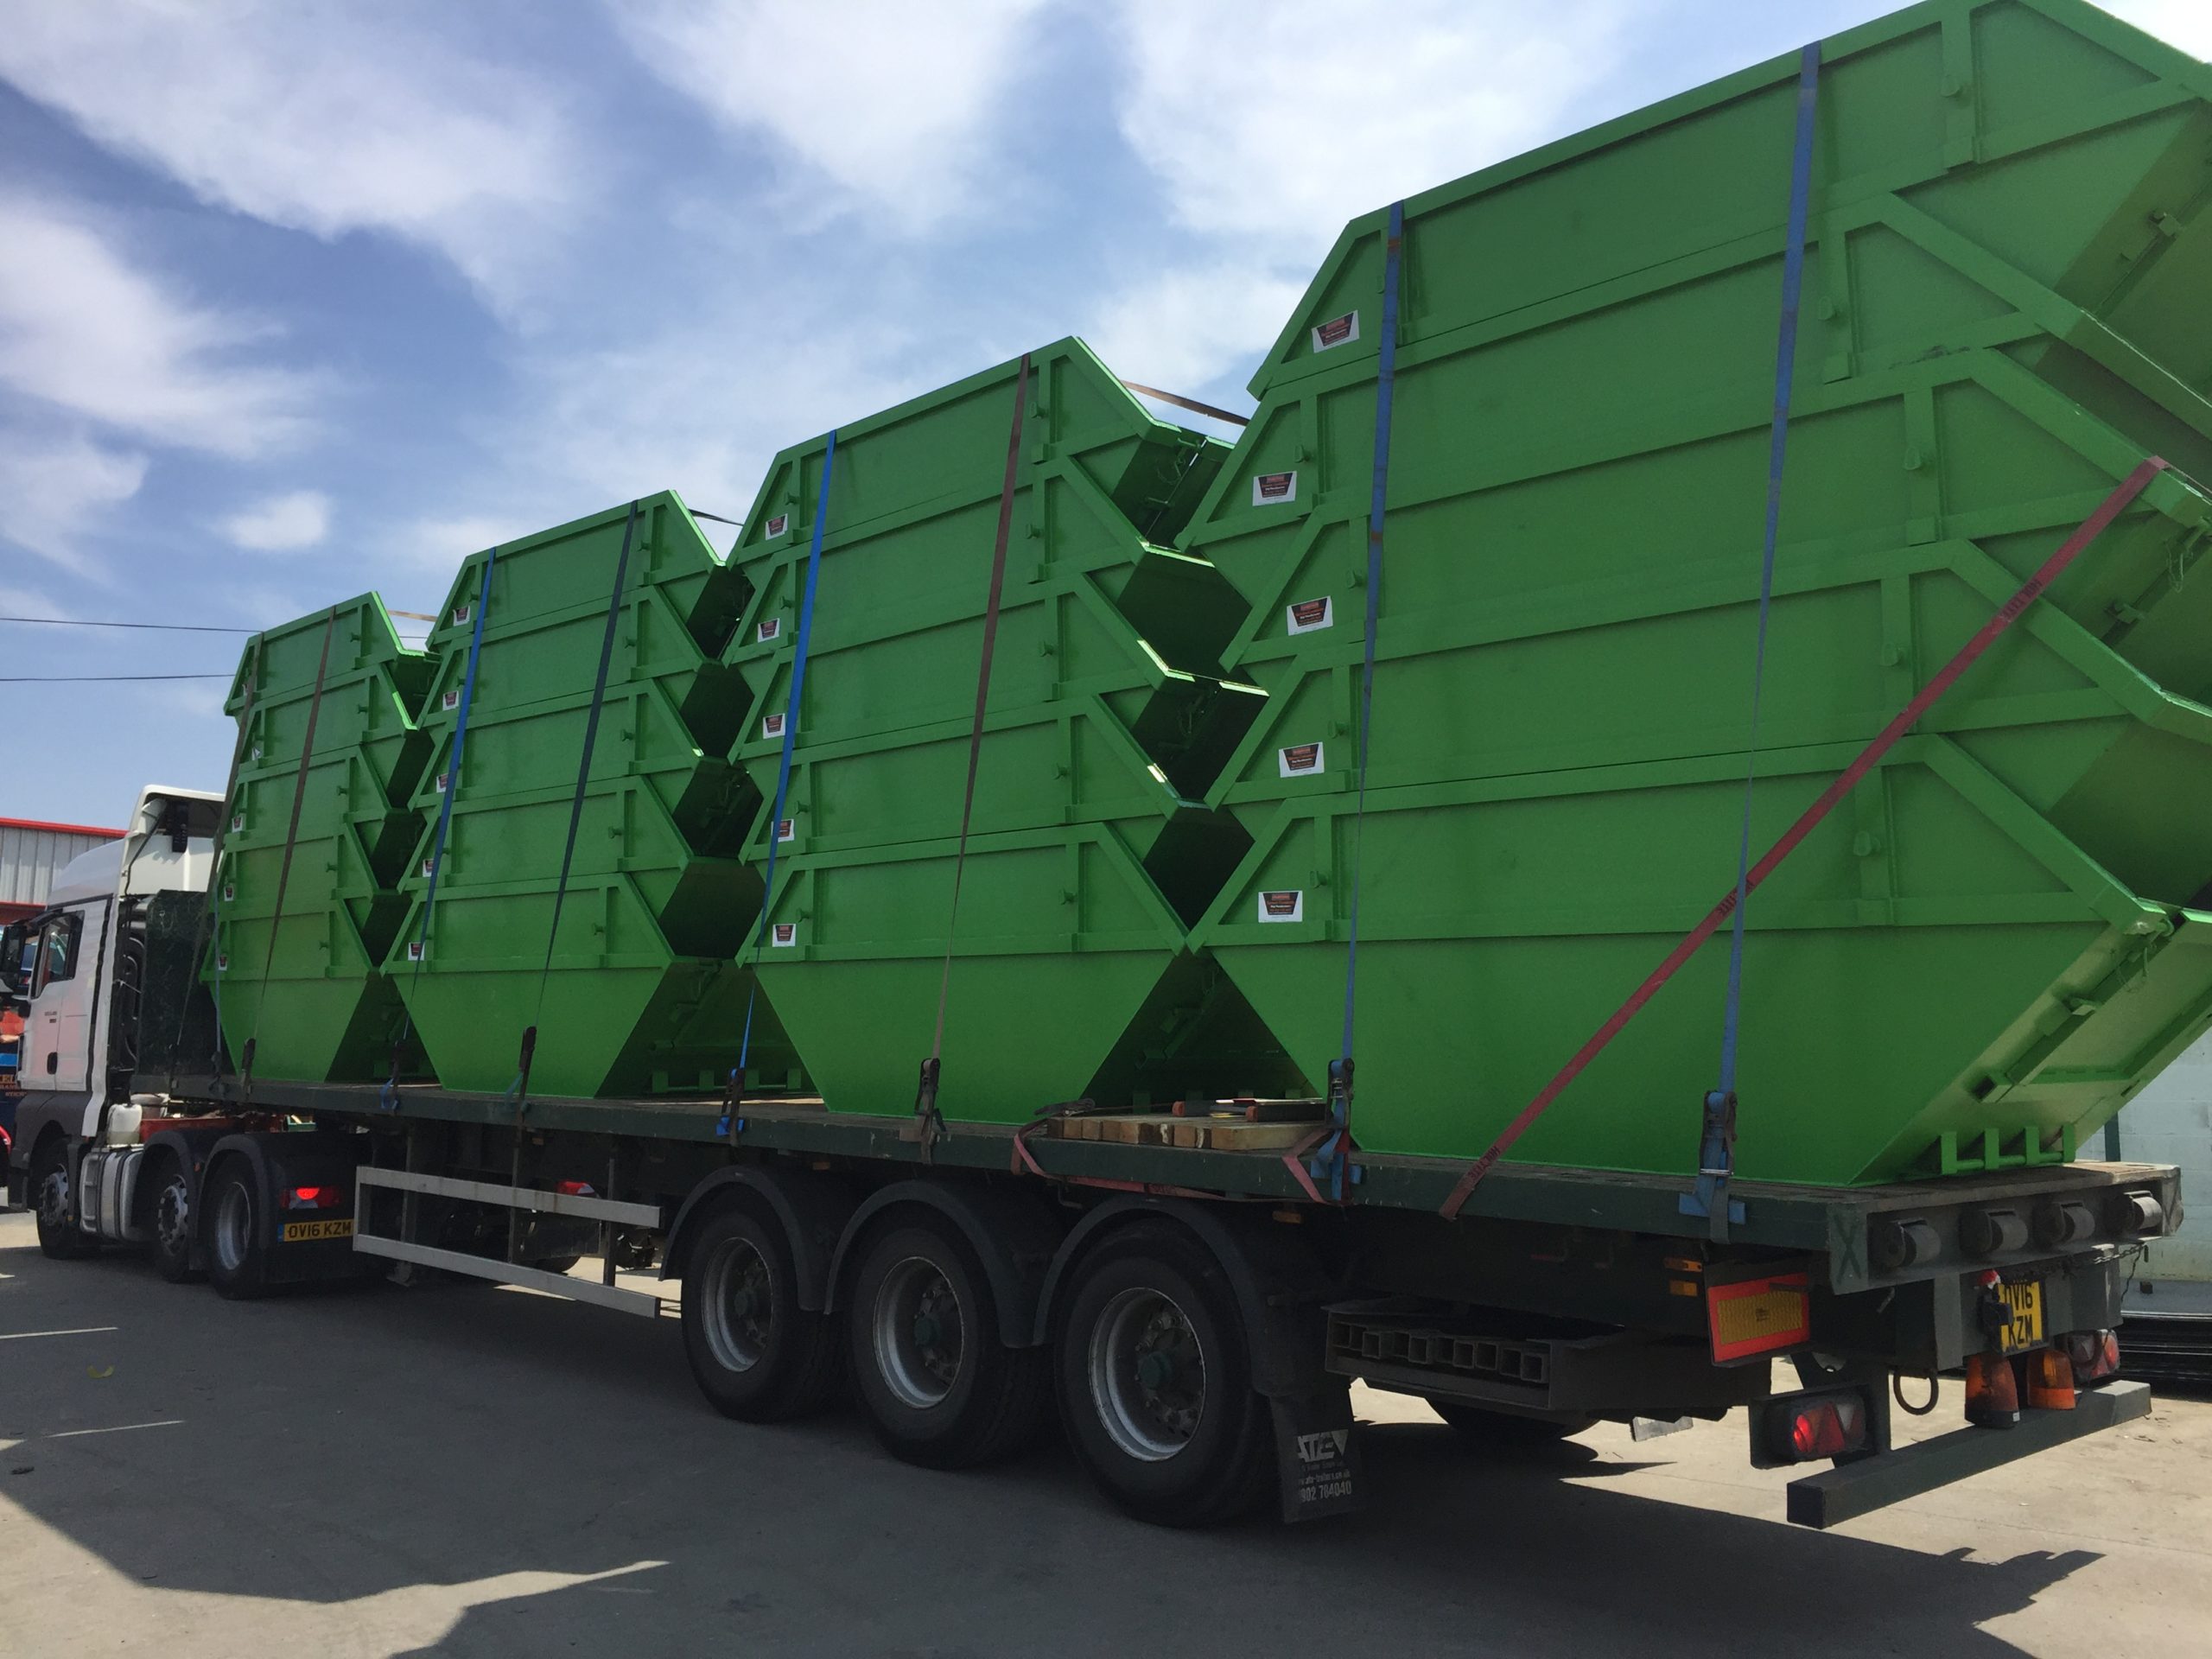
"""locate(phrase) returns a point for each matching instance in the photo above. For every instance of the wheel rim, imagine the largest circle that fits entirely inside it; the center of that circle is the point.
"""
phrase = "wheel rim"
(173, 1219)
(233, 1227)
(54, 1199)
(1147, 1374)
(739, 1315)
(920, 1332)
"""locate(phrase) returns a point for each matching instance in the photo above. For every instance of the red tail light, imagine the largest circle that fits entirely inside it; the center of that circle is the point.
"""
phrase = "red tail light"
(315, 1197)
(1819, 1426)
(575, 1189)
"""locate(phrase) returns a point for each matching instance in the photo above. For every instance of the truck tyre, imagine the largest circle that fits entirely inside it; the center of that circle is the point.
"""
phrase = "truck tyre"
(1502, 1431)
(756, 1354)
(172, 1225)
(940, 1386)
(53, 1200)
(230, 1232)
(1155, 1383)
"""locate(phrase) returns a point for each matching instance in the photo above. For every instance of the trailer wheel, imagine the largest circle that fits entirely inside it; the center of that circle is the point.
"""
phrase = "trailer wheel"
(756, 1354)
(1502, 1431)
(52, 1198)
(940, 1386)
(230, 1232)
(1155, 1384)
(172, 1228)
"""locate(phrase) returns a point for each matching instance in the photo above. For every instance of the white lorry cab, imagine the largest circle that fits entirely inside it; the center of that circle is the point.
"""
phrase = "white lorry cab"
(76, 970)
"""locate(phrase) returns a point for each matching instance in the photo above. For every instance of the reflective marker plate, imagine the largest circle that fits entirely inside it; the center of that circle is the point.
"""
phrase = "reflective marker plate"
(303, 1232)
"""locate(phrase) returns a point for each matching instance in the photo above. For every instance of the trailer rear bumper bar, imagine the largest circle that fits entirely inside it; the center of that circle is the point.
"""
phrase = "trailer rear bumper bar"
(1851, 1489)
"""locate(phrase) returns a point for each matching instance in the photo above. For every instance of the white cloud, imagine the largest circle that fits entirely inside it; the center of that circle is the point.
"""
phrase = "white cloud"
(1182, 327)
(888, 100)
(83, 329)
(58, 486)
(1279, 119)
(281, 523)
(2184, 23)
(317, 115)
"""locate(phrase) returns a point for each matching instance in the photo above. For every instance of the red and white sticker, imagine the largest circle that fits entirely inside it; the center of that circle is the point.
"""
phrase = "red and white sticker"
(1299, 761)
(416, 949)
(1273, 489)
(450, 700)
(1309, 615)
(776, 526)
(426, 863)
(238, 824)
(786, 830)
(768, 628)
(1337, 331)
(461, 613)
(442, 777)
(774, 725)
(782, 933)
(230, 893)
(222, 963)
(1282, 905)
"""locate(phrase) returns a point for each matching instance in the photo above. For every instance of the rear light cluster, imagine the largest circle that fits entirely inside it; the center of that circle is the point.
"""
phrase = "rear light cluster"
(2046, 1379)
(1819, 1425)
(315, 1197)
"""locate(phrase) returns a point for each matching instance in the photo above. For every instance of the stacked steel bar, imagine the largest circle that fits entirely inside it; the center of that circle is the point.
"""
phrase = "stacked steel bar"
(1106, 718)
(638, 992)
(1970, 964)
(308, 990)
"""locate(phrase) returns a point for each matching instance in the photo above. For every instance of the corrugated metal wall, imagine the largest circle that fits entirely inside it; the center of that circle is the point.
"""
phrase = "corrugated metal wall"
(32, 855)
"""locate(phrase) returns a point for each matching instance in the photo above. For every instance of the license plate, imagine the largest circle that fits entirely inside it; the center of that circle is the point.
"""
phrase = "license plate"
(303, 1232)
(2024, 1315)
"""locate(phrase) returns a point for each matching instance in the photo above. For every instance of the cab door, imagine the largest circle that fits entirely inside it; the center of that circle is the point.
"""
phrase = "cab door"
(57, 1033)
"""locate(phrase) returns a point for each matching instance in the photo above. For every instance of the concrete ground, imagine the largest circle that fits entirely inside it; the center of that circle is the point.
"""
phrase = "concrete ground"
(470, 1469)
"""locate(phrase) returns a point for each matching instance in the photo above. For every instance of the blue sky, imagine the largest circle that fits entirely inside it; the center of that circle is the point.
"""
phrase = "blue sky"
(299, 298)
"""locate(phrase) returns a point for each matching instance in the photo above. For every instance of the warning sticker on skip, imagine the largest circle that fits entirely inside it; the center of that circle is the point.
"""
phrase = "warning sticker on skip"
(769, 627)
(1337, 331)
(1273, 489)
(450, 700)
(1282, 906)
(786, 829)
(774, 725)
(1299, 761)
(1310, 615)
(782, 933)
(776, 525)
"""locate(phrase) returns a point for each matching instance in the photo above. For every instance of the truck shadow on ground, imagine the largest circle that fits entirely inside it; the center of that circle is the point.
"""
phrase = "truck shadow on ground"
(455, 1469)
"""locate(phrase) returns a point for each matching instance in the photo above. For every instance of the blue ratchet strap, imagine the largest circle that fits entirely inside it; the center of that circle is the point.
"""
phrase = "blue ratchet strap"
(804, 639)
(518, 1090)
(1331, 1159)
(1716, 1156)
(388, 1097)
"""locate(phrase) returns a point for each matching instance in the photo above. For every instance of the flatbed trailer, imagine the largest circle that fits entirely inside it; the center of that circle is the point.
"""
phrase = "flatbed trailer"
(1556, 1298)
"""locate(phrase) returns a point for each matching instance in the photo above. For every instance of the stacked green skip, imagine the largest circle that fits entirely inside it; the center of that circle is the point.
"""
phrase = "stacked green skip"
(1106, 719)
(638, 992)
(1998, 936)
(307, 989)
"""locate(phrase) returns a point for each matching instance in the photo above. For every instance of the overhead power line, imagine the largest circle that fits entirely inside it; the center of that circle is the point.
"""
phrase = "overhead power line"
(98, 679)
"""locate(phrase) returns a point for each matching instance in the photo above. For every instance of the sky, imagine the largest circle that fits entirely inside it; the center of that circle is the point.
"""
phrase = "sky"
(299, 297)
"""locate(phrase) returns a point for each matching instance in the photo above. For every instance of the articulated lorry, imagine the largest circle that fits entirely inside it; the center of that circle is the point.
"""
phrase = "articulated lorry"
(1605, 859)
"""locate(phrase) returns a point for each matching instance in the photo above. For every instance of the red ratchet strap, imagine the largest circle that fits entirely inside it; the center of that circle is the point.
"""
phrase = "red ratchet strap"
(2090, 528)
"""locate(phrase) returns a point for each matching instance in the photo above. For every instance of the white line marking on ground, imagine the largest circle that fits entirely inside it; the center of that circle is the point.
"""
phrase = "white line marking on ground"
(79, 1331)
(72, 1434)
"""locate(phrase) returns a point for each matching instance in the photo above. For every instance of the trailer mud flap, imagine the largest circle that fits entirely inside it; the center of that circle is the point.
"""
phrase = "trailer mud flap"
(1316, 1455)
(1851, 1489)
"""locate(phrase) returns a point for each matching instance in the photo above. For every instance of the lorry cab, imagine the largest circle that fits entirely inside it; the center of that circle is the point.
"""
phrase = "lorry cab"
(73, 970)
